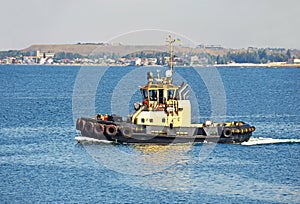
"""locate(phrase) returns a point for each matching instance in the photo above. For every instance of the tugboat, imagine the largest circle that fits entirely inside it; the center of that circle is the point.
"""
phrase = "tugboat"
(163, 117)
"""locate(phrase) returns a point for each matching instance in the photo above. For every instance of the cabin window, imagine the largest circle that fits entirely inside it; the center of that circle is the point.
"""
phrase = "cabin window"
(151, 120)
(170, 94)
(153, 95)
(145, 94)
(163, 120)
(143, 120)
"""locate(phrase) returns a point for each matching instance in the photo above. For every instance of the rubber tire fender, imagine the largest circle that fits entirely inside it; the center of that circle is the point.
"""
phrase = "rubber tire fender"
(98, 129)
(127, 131)
(80, 124)
(111, 130)
(227, 132)
(89, 127)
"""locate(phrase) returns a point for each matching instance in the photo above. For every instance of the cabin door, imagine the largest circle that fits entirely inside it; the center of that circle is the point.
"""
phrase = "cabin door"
(161, 96)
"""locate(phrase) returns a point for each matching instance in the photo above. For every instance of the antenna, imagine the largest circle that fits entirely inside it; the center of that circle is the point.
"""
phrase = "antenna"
(171, 40)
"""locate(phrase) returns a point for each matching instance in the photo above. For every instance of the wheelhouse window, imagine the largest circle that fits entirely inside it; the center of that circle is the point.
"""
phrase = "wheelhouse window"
(153, 95)
(145, 93)
(170, 94)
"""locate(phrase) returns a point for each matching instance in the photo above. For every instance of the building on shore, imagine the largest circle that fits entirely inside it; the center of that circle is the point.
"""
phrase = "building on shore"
(40, 57)
(293, 61)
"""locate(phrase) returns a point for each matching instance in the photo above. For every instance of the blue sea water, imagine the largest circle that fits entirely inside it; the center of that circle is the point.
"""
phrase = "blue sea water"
(41, 162)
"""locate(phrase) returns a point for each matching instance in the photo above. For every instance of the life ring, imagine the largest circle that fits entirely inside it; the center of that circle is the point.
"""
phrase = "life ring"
(145, 102)
(242, 131)
(89, 127)
(227, 132)
(126, 131)
(99, 129)
(111, 130)
(253, 128)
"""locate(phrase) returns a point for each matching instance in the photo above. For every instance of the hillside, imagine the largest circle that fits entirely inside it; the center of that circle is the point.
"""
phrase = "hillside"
(120, 50)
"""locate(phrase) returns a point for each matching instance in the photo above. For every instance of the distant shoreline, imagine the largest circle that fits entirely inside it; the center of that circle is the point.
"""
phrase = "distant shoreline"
(270, 65)
(235, 65)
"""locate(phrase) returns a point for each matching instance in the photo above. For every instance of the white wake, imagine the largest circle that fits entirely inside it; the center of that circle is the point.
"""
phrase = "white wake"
(263, 141)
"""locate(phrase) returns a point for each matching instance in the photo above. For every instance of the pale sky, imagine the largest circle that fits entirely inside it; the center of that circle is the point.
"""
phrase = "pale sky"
(230, 23)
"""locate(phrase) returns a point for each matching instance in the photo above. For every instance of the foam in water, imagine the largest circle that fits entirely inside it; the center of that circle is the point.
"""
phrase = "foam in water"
(85, 140)
(262, 141)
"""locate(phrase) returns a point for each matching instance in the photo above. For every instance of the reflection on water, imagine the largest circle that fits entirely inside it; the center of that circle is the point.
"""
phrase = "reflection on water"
(138, 159)
(161, 149)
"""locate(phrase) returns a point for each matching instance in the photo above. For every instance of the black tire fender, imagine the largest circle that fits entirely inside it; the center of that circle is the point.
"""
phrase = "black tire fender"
(227, 132)
(111, 130)
(80, 124)
(89, 127)
(127, 131)
(99, 129)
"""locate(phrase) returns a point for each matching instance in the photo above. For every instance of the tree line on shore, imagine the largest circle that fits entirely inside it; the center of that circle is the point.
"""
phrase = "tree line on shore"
(256, 57)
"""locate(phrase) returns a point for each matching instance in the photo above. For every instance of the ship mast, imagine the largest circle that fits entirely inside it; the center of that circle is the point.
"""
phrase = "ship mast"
(171, 40)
